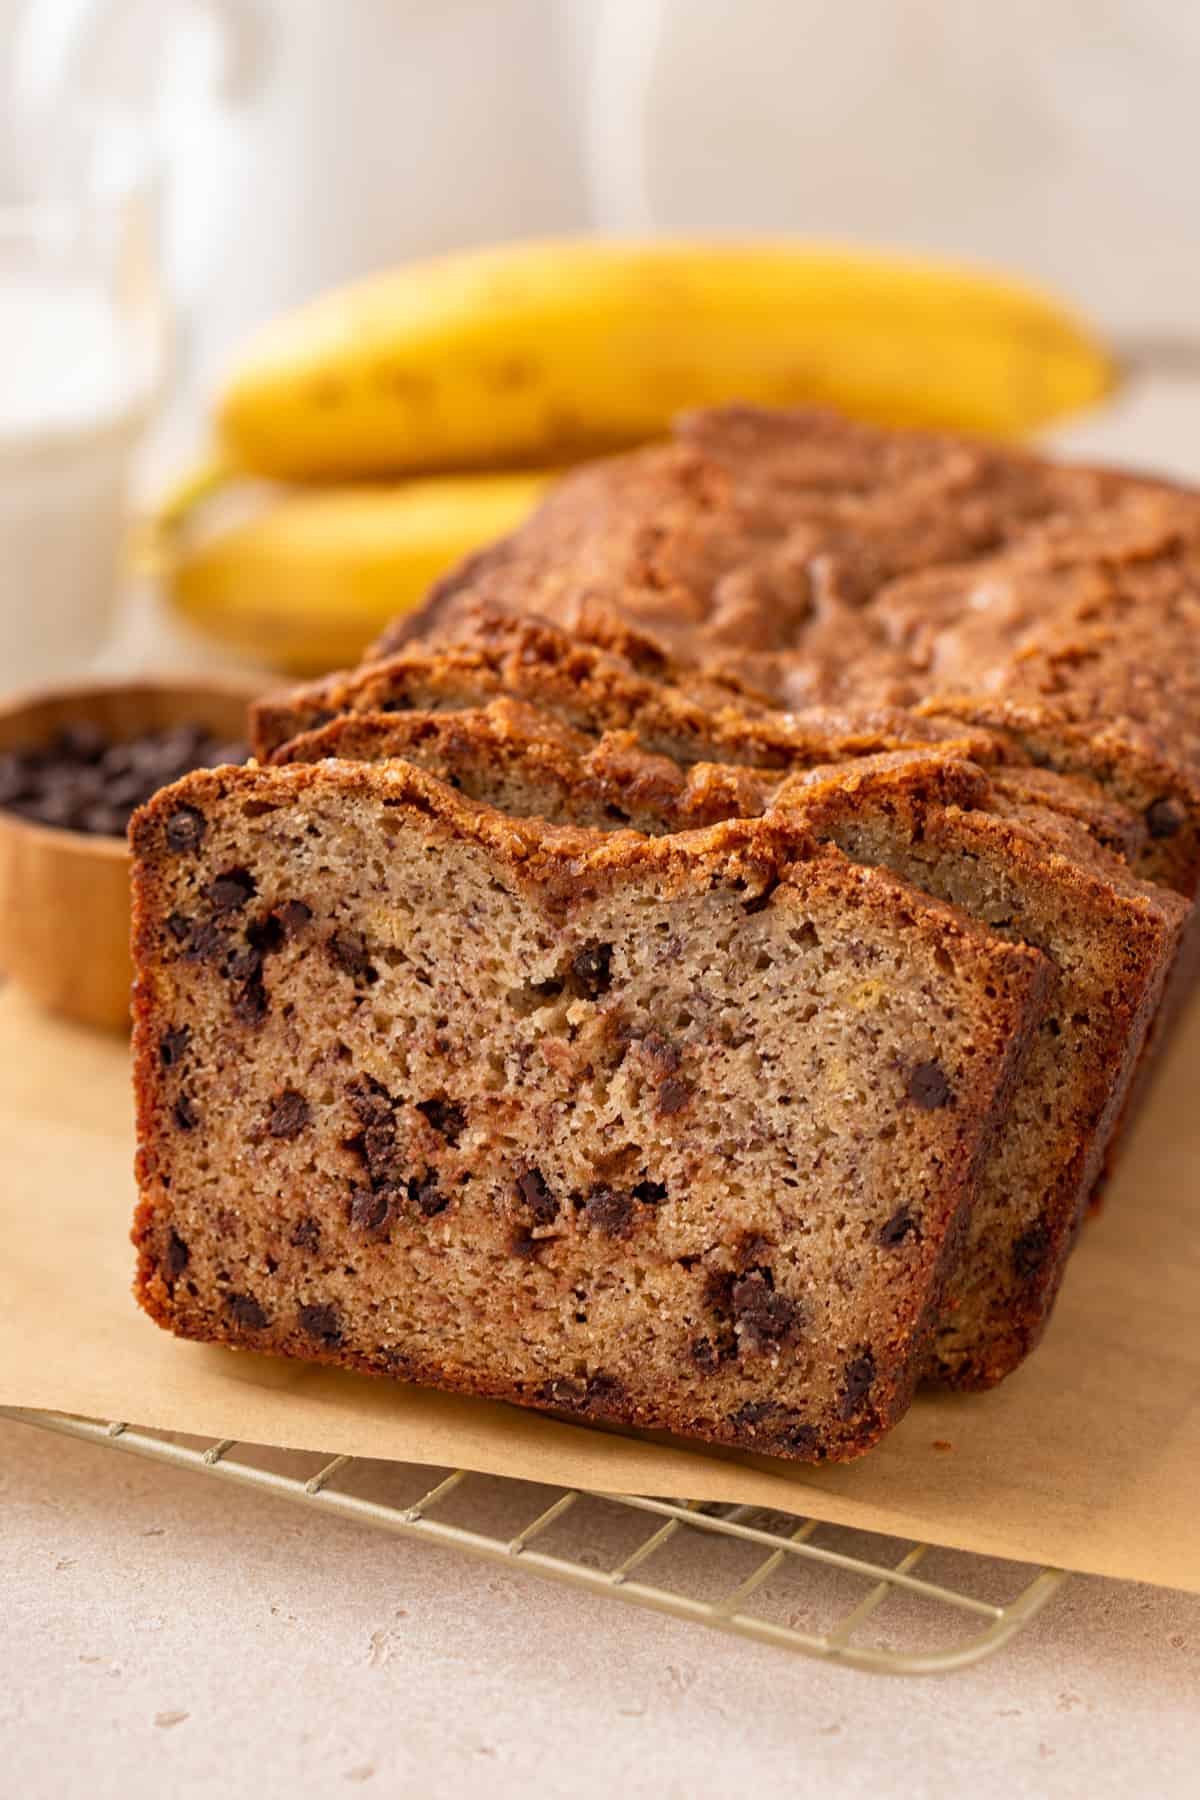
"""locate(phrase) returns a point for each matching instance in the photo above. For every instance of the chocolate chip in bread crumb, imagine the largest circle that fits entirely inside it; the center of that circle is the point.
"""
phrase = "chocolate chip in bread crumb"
(348, 951)
(177, 1257)
(762, 1319)
(250, 1002)
(704, 1354)
(427, 1197)
(446, 1119)
(609, 1211)
(928, 1086)
(673, 1096)
(180, 927)
(535, 1191)
(172, 1045)
(244, 1310)
(186, 828)
(1030, 1250)
(306, 1234)
(231, 891)
(860, 1374)
(322, 1323)
(801, 1440)
(293, 916)
(900, 1226)
(650, 1193)
(591, 967)
(185, 1114)
(290, 1113)
(1164, 817)
(371, 1208)
(244, 964)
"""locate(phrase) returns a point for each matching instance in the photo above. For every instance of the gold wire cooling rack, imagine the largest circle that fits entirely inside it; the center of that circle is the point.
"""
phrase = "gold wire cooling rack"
(711, 1562)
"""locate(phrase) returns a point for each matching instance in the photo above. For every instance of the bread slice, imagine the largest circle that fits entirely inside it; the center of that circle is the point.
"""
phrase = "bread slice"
(589, 688)
(675, 1132)
(1031, 873)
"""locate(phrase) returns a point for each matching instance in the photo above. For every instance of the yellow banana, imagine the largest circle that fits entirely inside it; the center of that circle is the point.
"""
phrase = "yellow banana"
(311, 577)
(545, 352)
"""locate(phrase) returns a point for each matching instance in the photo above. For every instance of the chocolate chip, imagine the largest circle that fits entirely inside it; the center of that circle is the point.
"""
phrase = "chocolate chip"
(754, 1413)
(445, 1118)
(428, 1197)
(205, 943)
(172, 1044)
(177, 1257)
(801, 1440)
(82, 742)
(927, 1085)
(250, 1003)
(230, 891)
(762, 1318)
(704, 1354)
(244, 964)
(293, 916)
(244, 1310)
(179, 927)
(662, 1051)
(535, 1191)
(1164, 817)
(321, 1322)
(348, 951)
(290, 1113)
(610, 1212)
(371, 1101)
(185, 1114)
(265, 936)
(673, 1095)
(591, 967)
(899, 1226)
(82, 782)
(650, 1193)
(370, 1208)
(1030, 1251)
(16, 778)
(860, 1373)
(524, 1246)
(186, 828)
(379, 1149)
(596, 1393)
(306, 1235)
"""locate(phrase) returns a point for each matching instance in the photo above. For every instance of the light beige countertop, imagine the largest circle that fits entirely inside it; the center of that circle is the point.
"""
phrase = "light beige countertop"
(164, 1635)
(161, 1637)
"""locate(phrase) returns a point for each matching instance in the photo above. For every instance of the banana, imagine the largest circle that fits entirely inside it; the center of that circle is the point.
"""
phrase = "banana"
(310, 577)
(546, 352)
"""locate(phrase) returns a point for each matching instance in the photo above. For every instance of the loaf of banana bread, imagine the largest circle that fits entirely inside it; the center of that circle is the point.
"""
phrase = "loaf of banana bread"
(676, 1132)
(829, 562)
(994, 848)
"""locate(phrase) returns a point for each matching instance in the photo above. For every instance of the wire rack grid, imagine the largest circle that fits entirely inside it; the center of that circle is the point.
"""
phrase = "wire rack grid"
(848, 1578)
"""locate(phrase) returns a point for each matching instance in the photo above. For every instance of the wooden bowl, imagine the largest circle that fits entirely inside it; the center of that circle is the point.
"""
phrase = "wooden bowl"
(64, 895)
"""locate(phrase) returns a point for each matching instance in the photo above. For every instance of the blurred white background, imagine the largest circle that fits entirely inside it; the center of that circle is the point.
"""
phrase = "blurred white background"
(303, 141)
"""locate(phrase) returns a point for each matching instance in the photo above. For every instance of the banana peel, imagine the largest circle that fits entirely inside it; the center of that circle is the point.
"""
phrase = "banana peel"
(545, 352)
(303, 579)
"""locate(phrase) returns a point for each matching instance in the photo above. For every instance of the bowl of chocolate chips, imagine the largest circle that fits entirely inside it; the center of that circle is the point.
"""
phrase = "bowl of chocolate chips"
(75, 764)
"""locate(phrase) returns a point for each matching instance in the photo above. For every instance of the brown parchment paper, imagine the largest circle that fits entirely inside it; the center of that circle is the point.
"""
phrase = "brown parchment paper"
(1089, 1457)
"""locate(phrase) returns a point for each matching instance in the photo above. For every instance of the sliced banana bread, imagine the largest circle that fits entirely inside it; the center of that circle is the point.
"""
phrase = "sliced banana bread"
(675, 1132)
(1032, 874)
(589, 688)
